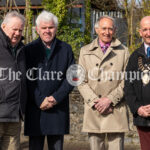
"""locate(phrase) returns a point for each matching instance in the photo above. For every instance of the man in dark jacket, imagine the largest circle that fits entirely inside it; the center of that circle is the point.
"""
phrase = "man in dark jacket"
(137, 85)
(47, 112)
(12, 80)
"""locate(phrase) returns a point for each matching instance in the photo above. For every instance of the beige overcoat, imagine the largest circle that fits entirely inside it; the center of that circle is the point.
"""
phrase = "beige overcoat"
(104, 78)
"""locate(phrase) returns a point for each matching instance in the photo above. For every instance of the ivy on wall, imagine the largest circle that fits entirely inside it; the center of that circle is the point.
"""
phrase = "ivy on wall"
(68, 31)
(87, 33)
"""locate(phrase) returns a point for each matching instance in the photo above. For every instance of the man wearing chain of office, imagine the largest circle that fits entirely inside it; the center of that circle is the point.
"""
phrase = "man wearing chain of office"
(137, 92)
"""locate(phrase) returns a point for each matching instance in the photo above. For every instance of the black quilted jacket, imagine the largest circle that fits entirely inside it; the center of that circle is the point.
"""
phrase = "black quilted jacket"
(12, 81)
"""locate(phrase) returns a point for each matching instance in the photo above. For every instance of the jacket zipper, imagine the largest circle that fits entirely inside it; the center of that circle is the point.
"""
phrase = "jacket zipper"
(20, 110)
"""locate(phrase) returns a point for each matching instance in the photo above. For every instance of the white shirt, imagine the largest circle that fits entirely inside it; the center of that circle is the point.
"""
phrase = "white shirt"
(146, 46)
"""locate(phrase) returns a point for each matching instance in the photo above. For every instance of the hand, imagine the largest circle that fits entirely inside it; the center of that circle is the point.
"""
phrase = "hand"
(108, 110)
(46, 104)
(102, 104)
(144, 111)
(147, 108)
(51, 99)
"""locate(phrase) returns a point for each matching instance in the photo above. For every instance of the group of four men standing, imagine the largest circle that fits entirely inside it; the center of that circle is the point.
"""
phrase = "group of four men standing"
(46, 99)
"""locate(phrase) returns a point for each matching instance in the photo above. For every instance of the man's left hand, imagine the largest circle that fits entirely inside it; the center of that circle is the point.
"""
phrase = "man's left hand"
(102, 104)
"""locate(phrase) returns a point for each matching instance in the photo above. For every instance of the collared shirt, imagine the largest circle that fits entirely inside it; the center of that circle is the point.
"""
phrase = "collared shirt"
(102, 45)
(146, 46)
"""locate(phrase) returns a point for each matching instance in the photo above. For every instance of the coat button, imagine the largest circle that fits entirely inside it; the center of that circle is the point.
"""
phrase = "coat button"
(99, 80)
(99, 96)
(111, 64)
(96, 64)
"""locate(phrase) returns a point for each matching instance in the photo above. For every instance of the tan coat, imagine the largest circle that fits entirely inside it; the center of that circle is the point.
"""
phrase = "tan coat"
(100, 82)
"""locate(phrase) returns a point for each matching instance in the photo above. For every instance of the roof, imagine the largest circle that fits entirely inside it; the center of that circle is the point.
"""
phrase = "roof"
(22, 2)
(34, 4)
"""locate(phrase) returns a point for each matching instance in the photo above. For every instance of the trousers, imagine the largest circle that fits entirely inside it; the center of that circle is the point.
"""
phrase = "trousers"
(144, 134)
(55, 142)
(10, 135)
(106, 141)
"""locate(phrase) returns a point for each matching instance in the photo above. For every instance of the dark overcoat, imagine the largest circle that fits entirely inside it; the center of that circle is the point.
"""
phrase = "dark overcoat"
(136, 93)
(47, 77)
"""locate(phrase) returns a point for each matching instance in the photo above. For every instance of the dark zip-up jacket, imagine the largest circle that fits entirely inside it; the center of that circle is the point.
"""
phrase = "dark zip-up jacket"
(12, 81)
(136, 93)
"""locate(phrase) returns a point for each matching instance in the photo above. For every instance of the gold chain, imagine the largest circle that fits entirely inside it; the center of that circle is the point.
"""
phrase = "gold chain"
(141, 66)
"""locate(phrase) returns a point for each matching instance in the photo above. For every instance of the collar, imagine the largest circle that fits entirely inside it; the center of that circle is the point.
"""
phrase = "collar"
(6, 37)
(145, 47)
(141, 50)
(95, 44)
(8, 42)
(43, 47)
(49, 45)
(103, 44)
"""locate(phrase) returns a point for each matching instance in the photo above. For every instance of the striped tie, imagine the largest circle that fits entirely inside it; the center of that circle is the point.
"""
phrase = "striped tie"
(104, 48)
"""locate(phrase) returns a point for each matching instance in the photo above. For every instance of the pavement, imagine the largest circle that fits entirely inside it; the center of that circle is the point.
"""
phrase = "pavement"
(68, 145)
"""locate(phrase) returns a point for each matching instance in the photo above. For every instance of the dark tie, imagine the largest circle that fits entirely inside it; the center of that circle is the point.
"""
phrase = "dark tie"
(148, 52)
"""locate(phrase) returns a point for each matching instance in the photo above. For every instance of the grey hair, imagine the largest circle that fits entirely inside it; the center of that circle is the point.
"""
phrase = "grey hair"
(13, 14)
(46, 16)
(102, 17)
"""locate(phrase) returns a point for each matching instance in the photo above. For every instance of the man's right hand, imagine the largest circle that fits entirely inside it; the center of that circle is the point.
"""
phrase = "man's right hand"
(46, 104)
(144, 111)
(102, 104)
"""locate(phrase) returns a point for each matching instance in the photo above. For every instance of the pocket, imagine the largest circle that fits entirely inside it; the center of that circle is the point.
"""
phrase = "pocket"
(12, 90)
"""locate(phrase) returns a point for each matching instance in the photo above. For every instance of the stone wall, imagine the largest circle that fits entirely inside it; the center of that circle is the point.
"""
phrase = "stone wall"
(76, 119)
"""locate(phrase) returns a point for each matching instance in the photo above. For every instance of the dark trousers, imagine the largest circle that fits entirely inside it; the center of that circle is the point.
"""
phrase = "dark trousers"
(55, 142)
(144, 134)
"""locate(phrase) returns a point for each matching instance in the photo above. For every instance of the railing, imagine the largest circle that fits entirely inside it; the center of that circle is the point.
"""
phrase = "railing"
(117, 15)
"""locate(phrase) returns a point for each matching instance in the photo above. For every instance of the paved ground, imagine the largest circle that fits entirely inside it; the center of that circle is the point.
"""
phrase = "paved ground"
(77, 146)
(86, 147)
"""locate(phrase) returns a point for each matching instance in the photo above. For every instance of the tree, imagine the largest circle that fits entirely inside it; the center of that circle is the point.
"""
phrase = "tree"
(58, 7)
(129, 14)
(9, 4)
(87, 33)
(146, 7)
(69, 29)
(105, 5)
(28, 24)
(134, 11)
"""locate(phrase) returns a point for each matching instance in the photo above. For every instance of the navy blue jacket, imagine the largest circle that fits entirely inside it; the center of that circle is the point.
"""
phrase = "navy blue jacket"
(48, 78)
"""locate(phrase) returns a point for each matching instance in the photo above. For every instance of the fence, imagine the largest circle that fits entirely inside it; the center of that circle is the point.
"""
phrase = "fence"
(120, 21)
